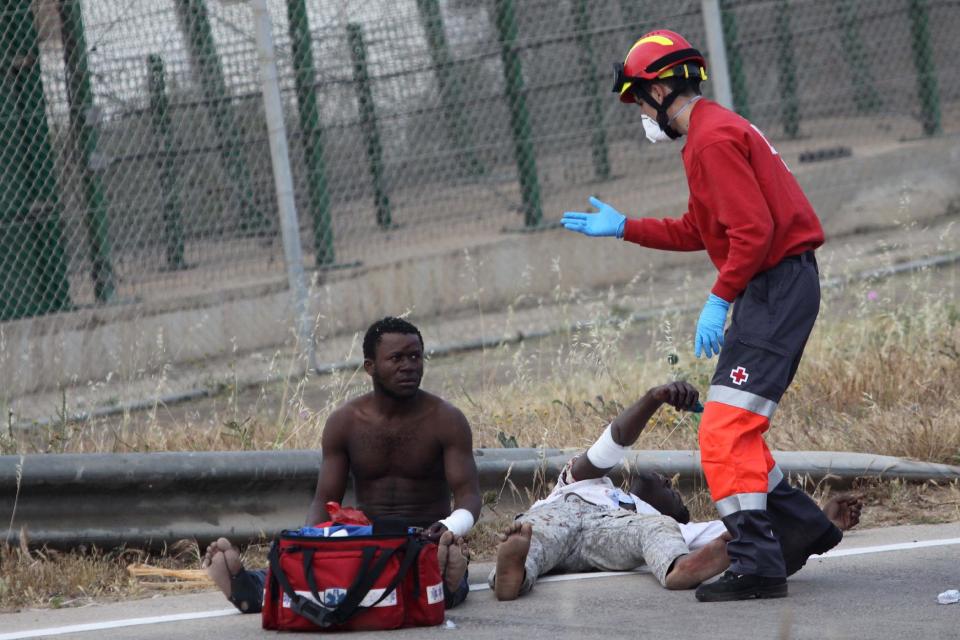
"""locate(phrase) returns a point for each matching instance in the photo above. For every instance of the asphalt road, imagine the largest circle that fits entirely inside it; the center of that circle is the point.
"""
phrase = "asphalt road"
(877, 594)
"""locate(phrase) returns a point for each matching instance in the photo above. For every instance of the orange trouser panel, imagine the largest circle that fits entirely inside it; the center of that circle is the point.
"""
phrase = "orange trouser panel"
(771, 463)
(734, 456)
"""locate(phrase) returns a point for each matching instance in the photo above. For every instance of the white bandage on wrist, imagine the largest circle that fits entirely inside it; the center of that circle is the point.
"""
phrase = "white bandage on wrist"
(605, 453)
(459, 522)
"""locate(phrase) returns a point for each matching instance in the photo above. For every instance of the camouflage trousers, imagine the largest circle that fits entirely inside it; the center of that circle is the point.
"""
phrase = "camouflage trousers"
(572, 535)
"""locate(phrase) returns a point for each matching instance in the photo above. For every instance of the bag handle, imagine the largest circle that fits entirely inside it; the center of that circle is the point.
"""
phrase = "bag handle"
(308, 553)
(349, 606)
(312, 611)
(411, 552)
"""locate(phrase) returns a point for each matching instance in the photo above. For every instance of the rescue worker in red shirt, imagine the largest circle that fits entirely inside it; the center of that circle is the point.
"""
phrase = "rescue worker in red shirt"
(748, 212)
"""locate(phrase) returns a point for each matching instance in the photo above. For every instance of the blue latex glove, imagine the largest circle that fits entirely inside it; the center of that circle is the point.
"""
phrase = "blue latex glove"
(607, 221)
(710, 326)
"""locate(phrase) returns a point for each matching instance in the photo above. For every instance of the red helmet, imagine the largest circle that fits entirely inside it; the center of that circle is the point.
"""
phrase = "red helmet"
(658, 54)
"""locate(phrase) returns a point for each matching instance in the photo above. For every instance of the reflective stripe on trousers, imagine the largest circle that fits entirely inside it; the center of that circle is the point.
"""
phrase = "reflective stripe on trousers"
(736, 461)
(750, 501)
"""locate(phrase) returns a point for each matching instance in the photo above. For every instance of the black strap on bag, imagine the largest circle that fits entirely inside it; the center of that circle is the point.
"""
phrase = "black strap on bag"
(324, 616)
(366, 558)
(312, 611)
(362, 583)
(350, 605)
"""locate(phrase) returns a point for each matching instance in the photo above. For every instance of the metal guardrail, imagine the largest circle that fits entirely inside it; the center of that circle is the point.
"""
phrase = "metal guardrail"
(110, 500)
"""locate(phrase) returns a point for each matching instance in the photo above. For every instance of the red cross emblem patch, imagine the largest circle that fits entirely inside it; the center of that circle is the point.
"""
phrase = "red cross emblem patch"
(739, 376)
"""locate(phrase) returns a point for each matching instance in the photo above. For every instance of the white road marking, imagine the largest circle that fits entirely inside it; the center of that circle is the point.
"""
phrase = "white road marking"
(883, 548)
(115, 624)
(134, 622)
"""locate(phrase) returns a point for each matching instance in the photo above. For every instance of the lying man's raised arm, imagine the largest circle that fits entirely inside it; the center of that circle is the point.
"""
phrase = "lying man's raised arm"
(608, 450)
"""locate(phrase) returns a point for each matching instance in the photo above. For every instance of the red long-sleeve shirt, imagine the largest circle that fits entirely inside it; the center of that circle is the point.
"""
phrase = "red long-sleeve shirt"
(746, 208)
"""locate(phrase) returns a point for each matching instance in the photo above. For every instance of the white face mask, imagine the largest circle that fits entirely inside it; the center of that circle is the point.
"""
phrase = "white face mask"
(653, 131)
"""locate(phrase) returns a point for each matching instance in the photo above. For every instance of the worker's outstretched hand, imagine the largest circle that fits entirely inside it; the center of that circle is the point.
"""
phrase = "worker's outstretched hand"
(607, 221)
(710, 327)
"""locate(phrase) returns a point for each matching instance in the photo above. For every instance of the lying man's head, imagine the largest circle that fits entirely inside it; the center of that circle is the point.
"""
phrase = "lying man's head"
(393, 357)
(658, 492)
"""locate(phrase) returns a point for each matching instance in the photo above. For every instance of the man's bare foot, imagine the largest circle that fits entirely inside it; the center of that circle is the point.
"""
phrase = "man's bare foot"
(511, 557)
(693, 568)
(443, 550)
(844, 510)
(221, 561)
(452, 559)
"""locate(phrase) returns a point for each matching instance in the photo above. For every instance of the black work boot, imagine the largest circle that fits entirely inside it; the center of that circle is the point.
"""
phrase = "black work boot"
(735, 586)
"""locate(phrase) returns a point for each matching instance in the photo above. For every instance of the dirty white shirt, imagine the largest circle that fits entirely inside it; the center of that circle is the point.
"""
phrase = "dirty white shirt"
(603, 493)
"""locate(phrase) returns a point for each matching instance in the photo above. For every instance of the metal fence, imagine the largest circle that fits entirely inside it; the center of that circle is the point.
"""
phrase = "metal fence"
(134, 159)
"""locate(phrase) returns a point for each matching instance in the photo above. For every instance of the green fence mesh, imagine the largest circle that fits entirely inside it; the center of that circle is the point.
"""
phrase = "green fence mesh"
(134, 161)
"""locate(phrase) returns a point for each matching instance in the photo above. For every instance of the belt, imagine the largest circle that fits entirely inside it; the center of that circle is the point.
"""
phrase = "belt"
(805, 257)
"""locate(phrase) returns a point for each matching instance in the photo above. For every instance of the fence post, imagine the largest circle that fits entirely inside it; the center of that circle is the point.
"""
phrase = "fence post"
(83, 134)
(719, 72)
(738, 79)
(368, 122)
(787, 64)
(506, 24)
(33, 267)
(312, 133)
(448, 85)
(206, 63)
(162, 131)
(865, 93)
(283, 183)
(927, 85)
(591, 91)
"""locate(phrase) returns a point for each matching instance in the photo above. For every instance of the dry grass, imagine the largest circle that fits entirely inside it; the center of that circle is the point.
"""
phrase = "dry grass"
(871, 380)
(48, 578)
(878, 375)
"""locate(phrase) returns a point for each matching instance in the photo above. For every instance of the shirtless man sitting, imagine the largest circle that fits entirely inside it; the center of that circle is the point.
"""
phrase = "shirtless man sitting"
(586, 523)
(407, 450)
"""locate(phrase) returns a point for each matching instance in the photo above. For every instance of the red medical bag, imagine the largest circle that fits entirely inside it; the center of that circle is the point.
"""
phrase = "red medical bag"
(352, 583)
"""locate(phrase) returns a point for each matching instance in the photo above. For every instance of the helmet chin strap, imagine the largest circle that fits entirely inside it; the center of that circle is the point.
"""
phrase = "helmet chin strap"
(689, 104)
(663, 118)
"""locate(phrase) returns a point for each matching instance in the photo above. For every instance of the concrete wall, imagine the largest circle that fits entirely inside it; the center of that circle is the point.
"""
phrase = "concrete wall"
(907, 181)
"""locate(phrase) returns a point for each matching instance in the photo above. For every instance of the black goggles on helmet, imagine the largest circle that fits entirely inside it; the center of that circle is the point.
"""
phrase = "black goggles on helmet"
(621, 79)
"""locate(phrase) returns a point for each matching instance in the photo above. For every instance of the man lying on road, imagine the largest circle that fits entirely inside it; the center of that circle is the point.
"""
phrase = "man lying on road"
(586, 523)
(407, 450)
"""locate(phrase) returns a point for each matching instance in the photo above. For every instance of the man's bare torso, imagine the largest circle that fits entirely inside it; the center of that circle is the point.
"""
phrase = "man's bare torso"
(397, 463)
